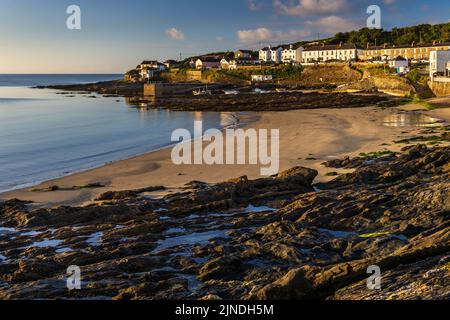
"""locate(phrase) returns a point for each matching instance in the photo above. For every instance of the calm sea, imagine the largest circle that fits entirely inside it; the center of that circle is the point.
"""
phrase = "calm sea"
(45, 134)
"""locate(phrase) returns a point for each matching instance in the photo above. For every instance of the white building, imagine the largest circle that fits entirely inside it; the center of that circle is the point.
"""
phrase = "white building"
(264, 54)
(228, 64)
(438, 62)
(207, 63)
(262, 77)
(400, 64)
(147, 73)
(276, 54)
(292, 54)
(324, 53)
(270, 54)
(152, 64)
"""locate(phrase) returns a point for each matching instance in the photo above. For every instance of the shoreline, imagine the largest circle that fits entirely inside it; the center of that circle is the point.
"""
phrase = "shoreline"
(235, 121)
(307, 138)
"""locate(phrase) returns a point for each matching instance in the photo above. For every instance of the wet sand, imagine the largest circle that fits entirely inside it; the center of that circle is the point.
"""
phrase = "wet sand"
(307, 138)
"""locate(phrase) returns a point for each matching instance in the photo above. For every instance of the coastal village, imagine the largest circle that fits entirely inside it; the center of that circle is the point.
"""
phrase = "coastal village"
(432, 59)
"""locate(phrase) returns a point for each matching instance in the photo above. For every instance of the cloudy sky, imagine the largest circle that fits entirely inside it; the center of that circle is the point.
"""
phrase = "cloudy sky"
(117, 35)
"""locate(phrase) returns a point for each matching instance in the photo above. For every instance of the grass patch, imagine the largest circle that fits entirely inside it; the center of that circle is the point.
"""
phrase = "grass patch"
(48, 189)
(374, 235)
(89, 186)
(445, 137)
(378, 154)
(423, 103)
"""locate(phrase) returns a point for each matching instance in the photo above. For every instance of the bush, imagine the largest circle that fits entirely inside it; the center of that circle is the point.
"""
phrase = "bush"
(413, 76)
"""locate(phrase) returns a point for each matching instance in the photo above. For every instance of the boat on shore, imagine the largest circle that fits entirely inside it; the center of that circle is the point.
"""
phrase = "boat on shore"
(231, 92)
(202, 92)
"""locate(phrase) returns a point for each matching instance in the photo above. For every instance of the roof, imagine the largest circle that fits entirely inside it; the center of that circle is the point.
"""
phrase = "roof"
(347, 46)
(400, 58)
(171, 61)
(247, 59)
(209, 59)
(245, 51)
(149, 62)
(420, 45)
(271, 48)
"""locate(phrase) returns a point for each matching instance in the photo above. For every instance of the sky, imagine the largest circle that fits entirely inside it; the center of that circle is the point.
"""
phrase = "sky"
(115, 35)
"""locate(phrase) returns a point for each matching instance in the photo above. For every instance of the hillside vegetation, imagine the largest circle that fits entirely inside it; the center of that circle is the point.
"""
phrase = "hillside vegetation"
(397, 36)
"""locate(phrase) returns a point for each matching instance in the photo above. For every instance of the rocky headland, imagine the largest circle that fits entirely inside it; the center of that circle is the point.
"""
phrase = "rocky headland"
(274, 238)
(247, 100)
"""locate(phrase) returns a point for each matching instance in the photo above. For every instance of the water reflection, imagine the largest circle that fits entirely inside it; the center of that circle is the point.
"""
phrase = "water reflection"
(411, 119)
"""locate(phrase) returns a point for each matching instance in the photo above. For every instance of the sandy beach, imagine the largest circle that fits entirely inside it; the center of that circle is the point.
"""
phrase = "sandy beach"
(307, 138)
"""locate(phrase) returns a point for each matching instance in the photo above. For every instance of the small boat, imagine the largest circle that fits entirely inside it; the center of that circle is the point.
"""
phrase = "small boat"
(231, 92)
(202, 92)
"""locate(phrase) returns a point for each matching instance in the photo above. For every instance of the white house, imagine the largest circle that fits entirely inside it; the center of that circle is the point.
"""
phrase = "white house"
(207, 63)
(270, 54)
(265, 54)
(292, 54)
(152, 64)
(147, 73)
(262, 77)
(276, 54)
(438, 62)
(400, 64)
(228, 64)
(324, 53)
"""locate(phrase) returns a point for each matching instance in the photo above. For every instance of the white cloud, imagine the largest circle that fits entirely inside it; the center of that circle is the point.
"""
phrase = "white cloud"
(175, 34)
(309, 7)
(255, 36)
(334, 24)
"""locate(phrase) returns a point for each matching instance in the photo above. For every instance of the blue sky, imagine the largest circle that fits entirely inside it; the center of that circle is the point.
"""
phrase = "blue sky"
(117, 35)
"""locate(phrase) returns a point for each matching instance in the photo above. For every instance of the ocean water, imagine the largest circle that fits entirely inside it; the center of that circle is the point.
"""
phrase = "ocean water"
(45, 134)
(32, 80)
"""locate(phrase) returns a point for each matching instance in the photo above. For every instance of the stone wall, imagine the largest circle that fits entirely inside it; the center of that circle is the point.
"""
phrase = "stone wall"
(163, 89)
(440, 88)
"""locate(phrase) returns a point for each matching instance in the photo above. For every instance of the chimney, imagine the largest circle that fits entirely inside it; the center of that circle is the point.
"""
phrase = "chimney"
(434, 42)
(413, 43)
(385, 45)
(323, 44)
(368, 45)
(340, 44)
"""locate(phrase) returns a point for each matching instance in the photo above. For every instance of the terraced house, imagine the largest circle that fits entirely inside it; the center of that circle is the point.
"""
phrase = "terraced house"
(269, 54)
(292, 54)
(419, 52)
(324, 53)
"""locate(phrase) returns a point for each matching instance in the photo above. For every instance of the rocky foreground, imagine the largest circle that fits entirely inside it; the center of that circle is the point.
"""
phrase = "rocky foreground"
(274, 238)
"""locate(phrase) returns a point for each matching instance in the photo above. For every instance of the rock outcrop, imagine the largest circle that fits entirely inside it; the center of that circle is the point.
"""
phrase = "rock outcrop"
(272, 238)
